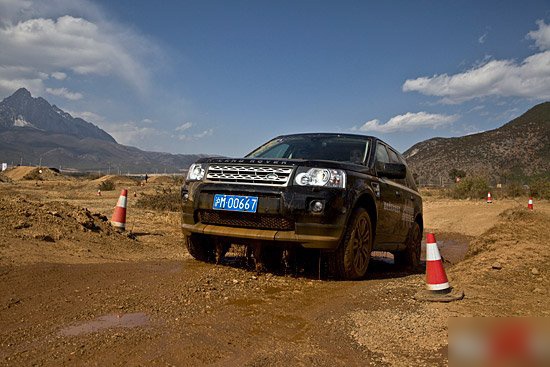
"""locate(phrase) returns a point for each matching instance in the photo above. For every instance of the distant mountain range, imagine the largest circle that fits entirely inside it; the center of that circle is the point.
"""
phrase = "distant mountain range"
(33, 131)
(518, 149)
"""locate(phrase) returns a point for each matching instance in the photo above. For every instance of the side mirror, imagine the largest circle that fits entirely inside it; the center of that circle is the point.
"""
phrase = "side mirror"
(393, 170)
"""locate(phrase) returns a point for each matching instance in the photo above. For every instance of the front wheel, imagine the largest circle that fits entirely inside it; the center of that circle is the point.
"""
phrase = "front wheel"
(201, 247)
(351, 259)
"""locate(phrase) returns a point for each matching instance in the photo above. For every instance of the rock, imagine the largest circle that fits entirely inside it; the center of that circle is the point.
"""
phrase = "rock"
(535, 271)
(22, 225)
(496, 266)
(44, 237)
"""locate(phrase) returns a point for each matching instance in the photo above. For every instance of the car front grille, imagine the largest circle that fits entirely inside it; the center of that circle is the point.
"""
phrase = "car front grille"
(245, 220)
(249, 174)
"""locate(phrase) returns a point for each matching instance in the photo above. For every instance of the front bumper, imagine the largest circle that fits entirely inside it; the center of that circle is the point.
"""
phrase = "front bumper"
(288, 205)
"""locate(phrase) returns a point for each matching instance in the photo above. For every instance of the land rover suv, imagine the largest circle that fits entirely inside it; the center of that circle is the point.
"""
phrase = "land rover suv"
(344, 195)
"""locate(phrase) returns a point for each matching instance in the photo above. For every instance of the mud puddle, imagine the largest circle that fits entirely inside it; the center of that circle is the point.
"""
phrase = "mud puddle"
(452, 246)
(129, 320)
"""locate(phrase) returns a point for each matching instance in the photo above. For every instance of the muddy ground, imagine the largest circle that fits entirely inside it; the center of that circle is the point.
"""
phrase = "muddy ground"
(75, 292)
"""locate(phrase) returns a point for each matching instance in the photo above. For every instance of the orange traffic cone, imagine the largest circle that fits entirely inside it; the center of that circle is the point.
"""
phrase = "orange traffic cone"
(530, 204)
(118, 219)
(489, 198)
(438, 288)
(98, 192)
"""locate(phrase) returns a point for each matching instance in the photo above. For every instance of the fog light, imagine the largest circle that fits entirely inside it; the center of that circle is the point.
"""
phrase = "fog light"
(316, 206)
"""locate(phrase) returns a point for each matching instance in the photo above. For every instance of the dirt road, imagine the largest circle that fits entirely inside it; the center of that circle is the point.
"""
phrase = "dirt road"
(74, 292)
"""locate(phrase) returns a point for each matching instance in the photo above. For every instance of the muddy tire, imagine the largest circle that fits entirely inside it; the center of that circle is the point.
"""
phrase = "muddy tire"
(410, 257)
(200, 247)
(351, 259)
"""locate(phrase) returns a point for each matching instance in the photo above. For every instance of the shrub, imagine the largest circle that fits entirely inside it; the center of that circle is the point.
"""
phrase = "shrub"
(540, 188)
(164, 199)
(470, 187)
(106, 185)
(513, 190)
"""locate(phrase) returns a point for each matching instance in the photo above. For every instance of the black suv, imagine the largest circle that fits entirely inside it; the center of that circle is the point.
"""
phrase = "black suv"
(345, 195)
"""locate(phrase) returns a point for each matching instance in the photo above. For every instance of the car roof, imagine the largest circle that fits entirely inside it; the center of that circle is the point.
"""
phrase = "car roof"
(305, 135)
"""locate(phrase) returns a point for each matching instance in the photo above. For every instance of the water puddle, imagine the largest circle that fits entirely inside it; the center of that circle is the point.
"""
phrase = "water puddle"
(129, 320)
(452, 247)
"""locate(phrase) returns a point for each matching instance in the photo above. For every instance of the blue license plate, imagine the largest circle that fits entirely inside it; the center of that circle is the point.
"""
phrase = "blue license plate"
(235, 203)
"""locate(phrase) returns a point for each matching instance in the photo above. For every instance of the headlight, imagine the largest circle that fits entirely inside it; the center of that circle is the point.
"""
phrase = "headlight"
(321, 177)
(196, 172)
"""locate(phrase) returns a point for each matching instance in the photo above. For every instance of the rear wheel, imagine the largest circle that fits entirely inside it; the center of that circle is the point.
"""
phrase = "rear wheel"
(410, 257)
(201, 247)
(351, 259)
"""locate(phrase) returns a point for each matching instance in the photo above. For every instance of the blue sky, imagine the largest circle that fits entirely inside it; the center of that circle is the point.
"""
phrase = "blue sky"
(222, 77)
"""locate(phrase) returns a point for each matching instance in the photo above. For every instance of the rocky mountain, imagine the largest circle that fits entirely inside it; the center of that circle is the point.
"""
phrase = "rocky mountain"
(514, 151)
(22, 110)
(32, 131)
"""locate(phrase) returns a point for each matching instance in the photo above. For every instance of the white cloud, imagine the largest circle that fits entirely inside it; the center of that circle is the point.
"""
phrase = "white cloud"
(15, 77)
(483, 38)
(131, 133)
(139, 133)
(541, 36)
(64, 37)
(204, 134)
(59, 75)
(65, 93)
(194, 137)
(88, 116)
(408, 122)
(529, 79)
(184, 126)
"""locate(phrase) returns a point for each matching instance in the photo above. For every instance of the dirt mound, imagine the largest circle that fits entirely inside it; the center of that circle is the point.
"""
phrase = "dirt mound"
(4, 178)
(162, 179)
(32, 173)
(28, 226)
(119, 180)
(509, 263)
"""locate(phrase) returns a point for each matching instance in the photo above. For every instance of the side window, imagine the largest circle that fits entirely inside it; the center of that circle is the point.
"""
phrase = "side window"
(381, 156)
(393, 156)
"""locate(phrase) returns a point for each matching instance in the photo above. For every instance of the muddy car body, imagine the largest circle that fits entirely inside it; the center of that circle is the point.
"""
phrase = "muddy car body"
(343, 194)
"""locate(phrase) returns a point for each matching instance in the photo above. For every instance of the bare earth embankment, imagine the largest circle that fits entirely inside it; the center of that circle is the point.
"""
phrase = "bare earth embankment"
(75, 292)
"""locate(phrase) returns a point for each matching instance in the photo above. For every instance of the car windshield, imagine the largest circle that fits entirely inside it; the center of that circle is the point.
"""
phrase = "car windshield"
(332, 148)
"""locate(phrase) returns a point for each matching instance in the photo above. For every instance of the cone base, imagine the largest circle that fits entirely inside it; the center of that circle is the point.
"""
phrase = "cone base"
(447, 295)
(118, 225)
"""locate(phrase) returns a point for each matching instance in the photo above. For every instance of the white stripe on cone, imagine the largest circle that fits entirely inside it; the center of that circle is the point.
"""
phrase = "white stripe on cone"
(122, 200)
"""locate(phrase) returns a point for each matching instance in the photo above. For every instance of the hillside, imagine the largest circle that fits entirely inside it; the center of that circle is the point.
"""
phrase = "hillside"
(32, 131)
(22, 110)
(517, 149)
